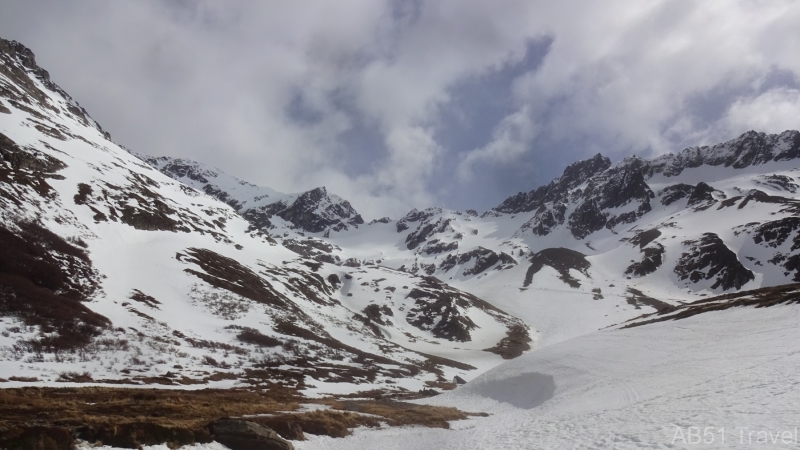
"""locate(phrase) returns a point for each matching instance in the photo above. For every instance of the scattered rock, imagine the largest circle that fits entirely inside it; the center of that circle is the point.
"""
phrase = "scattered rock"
(334, 280)
(242, 435)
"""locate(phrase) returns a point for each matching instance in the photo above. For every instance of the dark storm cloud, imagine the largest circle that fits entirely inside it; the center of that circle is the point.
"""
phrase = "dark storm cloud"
(398, 103)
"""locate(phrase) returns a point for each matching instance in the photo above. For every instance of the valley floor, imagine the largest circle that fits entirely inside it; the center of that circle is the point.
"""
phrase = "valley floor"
(718, 380)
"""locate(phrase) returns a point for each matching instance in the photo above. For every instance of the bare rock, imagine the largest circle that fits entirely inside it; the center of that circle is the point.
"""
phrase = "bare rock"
(242, 435)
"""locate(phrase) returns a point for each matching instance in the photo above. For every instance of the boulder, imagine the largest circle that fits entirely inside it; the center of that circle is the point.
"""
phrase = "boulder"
(243, 435)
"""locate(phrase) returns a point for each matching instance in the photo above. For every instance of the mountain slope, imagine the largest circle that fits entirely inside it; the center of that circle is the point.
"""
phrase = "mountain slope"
(114, 273)
(314, 211)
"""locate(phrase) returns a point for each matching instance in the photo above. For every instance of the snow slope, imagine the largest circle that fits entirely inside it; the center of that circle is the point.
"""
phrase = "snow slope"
(113, 272)
(728, 374)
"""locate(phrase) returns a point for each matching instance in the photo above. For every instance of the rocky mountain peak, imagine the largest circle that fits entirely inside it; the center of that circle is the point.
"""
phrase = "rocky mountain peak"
(23, 54)
(316, 211)
(16, 62)
(750, 149)
(314, 195)
(313, 211)
(178, 168)
(592, 188)
(557, 190)
(578, 172)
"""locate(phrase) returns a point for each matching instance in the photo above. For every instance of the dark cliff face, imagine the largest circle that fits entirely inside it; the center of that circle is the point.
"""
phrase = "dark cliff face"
(181, 168)
(562, 260)
(583, 197)
(416, 216)
(652, 253)
(606, 187)
(483, 259)
(750, 149)
(623, 185)
(701, 193)
(708, 258)
(574, 175)
(315, 211)
(586, 219)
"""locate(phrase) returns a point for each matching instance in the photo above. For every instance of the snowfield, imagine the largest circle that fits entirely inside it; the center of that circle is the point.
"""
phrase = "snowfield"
(723, 374)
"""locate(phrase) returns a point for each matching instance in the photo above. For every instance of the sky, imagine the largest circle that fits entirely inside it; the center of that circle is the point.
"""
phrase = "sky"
(396, 104)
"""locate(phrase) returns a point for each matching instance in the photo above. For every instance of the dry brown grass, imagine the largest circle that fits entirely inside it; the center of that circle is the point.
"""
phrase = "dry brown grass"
(443, 385)
(101, 405)
(345, 415)
(131, 417)
(402, 413)
(321, 422)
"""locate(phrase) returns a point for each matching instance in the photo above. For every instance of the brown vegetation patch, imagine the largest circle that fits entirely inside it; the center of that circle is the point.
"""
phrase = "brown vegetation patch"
(226, 273)
(320, 422)
(514, 344)
(131, 417)
(36, 437)
(141, 297)
(345, 415)
(23, 379)
(253, 336)
(758, 298)
(43, 280)
(75, 377)
(401, 413)
(22, 168)
(638, 298)
(443, 385)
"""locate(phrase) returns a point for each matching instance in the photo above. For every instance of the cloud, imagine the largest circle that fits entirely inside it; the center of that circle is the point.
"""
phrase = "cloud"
(511, 139)
(774, 111)
(402, 103)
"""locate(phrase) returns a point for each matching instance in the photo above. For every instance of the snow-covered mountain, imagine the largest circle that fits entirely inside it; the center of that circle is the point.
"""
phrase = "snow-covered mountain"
(113, 272)
(314, 211)
(138, 269)
(595, 210)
